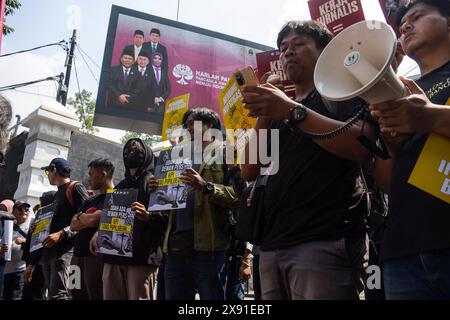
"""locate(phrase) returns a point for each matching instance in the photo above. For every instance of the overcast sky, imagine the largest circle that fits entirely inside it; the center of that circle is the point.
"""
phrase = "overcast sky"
(48, 21)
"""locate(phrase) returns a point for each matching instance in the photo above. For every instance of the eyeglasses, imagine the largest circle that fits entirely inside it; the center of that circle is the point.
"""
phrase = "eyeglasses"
(24, 209)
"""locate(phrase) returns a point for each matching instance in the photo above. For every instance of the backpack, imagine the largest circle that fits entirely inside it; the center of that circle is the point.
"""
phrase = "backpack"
(69, 192)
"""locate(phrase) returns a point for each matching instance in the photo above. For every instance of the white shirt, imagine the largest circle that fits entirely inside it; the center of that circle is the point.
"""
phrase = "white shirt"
(136, 52)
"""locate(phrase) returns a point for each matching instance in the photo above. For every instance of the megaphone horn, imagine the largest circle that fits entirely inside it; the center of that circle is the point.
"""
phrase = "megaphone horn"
(357, 63)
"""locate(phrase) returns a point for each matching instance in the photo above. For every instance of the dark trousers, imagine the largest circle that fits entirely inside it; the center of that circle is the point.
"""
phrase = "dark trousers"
(13, 286)
(256, 278)
(56, 274)
(420, 277)
(92, 271)
(199, 272)
(35, 290)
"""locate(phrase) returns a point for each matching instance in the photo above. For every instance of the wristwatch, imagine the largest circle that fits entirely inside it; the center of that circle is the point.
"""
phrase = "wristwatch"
(208, 188)
(297, 114)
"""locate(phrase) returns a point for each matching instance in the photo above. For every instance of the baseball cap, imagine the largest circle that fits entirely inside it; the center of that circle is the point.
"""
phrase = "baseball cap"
(19, 204)
(59, 164)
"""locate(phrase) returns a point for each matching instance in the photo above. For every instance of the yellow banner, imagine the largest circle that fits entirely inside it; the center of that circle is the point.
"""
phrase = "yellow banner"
(173, 116)
(41, 225)
(432, 170)
(170, 179)
(235, 116)
(115, 226)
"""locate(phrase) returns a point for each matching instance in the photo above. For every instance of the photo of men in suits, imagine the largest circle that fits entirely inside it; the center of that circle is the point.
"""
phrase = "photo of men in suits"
(161, 83)
(146, 98)
(124, 87)
(154, 46)
(137, 45)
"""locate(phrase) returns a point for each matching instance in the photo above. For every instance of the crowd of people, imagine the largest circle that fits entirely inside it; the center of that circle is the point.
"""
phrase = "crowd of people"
(313, 240)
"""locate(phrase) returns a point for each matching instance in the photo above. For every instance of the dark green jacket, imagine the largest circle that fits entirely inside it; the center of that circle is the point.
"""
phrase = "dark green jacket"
(210, 212)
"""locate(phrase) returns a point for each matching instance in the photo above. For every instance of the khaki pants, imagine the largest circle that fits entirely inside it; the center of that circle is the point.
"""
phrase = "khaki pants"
(123, 282)
(324, 270)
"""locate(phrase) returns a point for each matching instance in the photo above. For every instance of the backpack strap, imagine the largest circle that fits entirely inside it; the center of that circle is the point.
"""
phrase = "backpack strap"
(19, 230)
(69, 192)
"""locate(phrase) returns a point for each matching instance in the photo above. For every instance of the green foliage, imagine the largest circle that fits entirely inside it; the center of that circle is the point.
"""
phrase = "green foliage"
(84, 106)
(11, 7)
(147, 138)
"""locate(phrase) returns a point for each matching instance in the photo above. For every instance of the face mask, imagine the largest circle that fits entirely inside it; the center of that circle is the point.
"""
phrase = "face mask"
(134, 161)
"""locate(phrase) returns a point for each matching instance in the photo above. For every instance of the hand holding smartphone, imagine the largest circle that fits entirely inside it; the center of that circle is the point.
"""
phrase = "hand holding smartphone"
(246, 77)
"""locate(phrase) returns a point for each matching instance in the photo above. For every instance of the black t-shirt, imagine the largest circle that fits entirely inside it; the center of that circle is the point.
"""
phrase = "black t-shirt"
(418, 222)
(315, 195)
(83, 237)
(64, 213)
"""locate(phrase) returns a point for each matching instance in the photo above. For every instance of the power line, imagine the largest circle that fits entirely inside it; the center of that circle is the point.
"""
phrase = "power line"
(89, 68)
(34, 93)
(84, 52)
(79, 90)
(19, 85)
(62, 44)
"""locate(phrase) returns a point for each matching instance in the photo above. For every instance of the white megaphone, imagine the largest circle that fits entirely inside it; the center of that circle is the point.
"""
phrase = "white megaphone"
(357, 63)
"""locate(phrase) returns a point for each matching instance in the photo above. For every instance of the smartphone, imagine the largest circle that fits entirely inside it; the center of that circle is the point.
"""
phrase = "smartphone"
(246, 77)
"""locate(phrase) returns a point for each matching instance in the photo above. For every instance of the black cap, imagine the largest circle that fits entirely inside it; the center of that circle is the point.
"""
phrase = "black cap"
(128, 52)
(143, 53)
(140, 32)
(19, 204)
(154, 30)
(59, 164)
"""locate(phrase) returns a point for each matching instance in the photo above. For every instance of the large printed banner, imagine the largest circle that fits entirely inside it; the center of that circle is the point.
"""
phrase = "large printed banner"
(390, 9)
(149, 60)
(269, 61)
(336, 14)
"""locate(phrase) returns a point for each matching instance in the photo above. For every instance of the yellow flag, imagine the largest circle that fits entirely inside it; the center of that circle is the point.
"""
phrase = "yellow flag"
(173, 117)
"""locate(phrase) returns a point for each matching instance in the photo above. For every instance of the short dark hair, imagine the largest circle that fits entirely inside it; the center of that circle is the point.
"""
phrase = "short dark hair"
(103, 164)
(205, 115)
(154, 30)
(65, 173)
(316, 30)
(443, 6)
(139, 32)
(47, 198)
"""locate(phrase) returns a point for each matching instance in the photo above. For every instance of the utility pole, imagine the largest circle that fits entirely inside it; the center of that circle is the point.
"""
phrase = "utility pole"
(64, 89)
(61, 89)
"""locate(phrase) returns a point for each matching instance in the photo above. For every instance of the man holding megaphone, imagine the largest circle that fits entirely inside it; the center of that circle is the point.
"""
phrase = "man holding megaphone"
(416, 248)
(314, 243)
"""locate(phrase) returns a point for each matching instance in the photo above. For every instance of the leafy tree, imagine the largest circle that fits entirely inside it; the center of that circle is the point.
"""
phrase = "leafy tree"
(84, 106)
(147, 138)
(11, 7)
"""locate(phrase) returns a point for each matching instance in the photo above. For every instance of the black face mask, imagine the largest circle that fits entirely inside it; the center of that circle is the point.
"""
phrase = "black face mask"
(133, 160)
